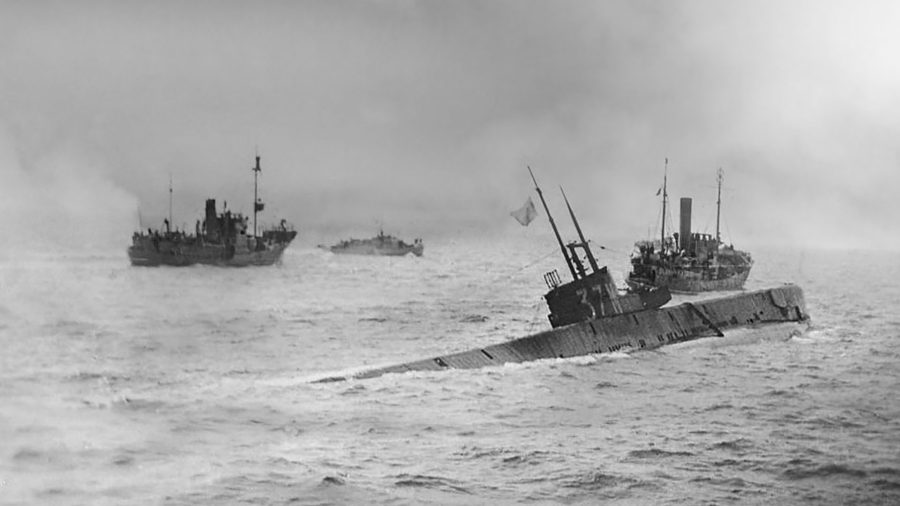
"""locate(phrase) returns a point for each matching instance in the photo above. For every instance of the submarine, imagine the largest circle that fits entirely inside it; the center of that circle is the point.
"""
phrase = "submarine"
(588, 316)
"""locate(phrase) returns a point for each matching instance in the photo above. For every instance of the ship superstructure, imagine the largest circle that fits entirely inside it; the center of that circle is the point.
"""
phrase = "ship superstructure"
(687, 261)
(382, 244)
(222, 238)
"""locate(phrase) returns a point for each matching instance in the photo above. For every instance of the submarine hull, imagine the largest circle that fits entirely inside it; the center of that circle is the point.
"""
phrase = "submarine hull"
(774, 310)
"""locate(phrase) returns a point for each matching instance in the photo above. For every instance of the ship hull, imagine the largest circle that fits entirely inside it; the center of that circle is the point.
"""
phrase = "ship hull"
(688, 281)
(776, 312)
(366, 249)
(146, 255)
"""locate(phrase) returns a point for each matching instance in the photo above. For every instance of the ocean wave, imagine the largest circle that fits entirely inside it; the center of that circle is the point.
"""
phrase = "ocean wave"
(430, 482)
(123, 460)
(374, 319)
(892, 472)
(836, 422)
(719, 406)
(354, 389)
(531, 458)
(29, 455)
(592, 480)
(56, 491)
(822, 471)
(138, 404)
(742, 464)
(734, 445)
(779, 392)
(103, 377)
(886, 478)
(333, 480)
(654, 453)
(597, 484)
(733, 483)
(887, 485)
(109, 401)
(507, 457)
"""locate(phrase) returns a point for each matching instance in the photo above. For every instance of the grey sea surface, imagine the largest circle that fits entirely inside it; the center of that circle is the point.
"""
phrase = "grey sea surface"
(123, 385)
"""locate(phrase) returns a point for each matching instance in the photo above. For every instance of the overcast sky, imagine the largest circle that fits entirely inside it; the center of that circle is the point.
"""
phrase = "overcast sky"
(422, 115)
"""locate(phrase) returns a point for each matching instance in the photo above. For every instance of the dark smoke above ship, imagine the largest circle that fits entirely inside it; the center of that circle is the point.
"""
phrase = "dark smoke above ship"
(686, 261)
(222, 239)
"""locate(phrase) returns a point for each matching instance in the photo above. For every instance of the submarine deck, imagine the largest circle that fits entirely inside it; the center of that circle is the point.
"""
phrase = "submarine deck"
(633, 331)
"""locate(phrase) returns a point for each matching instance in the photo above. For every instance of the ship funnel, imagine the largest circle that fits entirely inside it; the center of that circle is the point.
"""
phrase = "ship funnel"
(210, 217)
(685, 232)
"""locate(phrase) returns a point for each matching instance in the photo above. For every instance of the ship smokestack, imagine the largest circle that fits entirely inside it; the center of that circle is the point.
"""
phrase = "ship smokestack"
(210, 224)
(685, 232)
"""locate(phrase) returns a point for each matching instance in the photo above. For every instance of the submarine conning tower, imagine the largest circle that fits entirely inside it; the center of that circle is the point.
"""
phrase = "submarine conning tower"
(685, 229)
(591, 294)
(595, 296)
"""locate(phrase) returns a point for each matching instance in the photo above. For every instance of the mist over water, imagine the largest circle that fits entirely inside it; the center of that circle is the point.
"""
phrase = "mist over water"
(60, 203)
(423, 116)
(127, 385)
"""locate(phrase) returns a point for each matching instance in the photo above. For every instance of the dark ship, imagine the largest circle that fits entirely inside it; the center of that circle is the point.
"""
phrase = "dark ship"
(381, 244)
(221, 239)
(588, 317)
(688, 262)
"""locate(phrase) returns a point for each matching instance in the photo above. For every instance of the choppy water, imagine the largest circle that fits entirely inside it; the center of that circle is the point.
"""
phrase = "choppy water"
(124, 385)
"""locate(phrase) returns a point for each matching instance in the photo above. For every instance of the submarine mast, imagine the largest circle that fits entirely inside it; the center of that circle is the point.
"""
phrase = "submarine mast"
(562, 247)
(584, 243)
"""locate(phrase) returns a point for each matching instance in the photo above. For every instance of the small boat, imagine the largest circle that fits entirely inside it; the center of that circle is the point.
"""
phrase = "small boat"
(688, 262)
(222, 239)
(381, 244)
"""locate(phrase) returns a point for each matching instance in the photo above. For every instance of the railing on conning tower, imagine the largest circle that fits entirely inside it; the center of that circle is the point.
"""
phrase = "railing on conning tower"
(552, 279)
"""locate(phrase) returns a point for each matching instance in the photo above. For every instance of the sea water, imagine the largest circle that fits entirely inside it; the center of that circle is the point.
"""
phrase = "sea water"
(127, 385)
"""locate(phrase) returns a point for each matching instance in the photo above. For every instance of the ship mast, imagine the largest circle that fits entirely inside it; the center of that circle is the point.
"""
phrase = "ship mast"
(584, 243)
(719, 208)
(562, 247)
(662, 237)
(255, 198)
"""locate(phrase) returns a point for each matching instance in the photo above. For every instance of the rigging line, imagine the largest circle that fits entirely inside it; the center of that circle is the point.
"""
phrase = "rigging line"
(500, 277)
(611, 250)
(544, 257)
(670, 224)
(512, 274)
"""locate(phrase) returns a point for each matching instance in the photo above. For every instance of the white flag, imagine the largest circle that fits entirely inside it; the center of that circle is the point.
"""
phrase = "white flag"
(526, 213)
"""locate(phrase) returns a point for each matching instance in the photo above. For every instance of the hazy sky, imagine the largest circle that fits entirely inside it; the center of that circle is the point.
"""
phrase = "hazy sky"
(422, 115)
